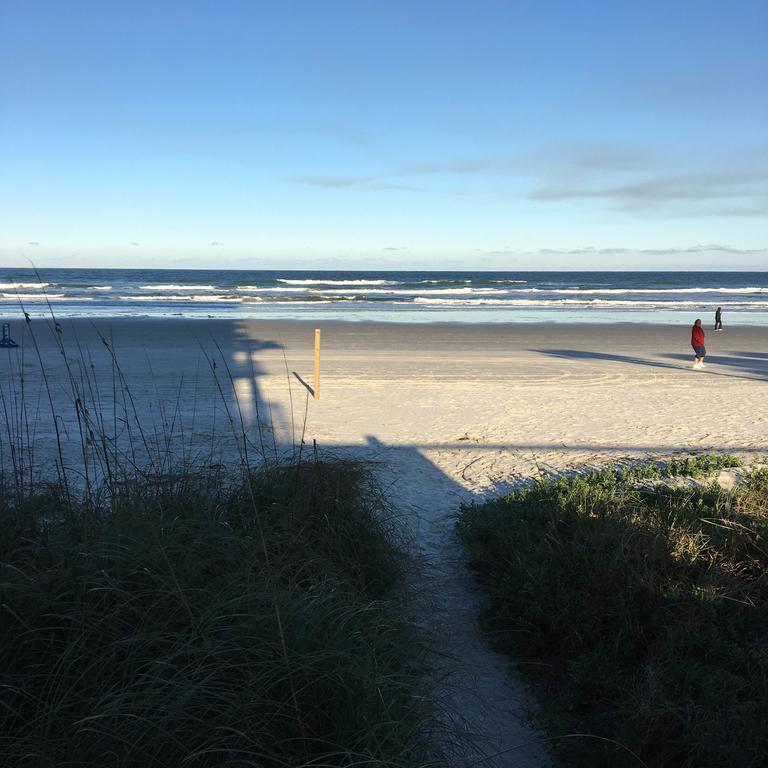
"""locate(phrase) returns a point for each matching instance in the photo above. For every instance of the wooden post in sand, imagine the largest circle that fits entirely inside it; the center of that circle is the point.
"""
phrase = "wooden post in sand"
(317, 363)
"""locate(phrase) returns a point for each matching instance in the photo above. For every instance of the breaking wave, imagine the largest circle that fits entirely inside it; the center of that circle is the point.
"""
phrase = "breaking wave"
(15, 286)
(173, 287)
(337, 282)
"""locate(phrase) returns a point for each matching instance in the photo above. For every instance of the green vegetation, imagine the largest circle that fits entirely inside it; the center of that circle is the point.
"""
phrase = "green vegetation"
(177, 591)
(690, 466)
(194, 621)
(640, 609)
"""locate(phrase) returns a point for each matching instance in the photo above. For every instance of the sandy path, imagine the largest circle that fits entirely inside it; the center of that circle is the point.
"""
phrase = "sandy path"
(449, 414)
(475, 682)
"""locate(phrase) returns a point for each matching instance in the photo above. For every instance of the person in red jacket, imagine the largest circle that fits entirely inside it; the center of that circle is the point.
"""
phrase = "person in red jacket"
(697, 342)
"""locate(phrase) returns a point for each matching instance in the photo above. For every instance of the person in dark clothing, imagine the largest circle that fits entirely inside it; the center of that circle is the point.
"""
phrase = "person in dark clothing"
(719, 319)
(697, 342)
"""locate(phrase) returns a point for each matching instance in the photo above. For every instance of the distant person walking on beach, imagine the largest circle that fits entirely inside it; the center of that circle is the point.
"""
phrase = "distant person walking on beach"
(697, 342)
(719, 319)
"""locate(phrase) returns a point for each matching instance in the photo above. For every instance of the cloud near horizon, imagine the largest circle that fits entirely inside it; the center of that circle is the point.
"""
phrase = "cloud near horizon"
(726, 192)
(628, 179)
(373, 183)
(594, 158)
(712, 248)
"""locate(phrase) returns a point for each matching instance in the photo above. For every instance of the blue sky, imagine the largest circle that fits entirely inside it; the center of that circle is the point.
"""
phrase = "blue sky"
(424, 134)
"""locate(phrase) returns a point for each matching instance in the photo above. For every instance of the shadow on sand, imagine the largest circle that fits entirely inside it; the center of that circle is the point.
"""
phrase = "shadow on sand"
(304, 384)
(750, 366)
(750, 369)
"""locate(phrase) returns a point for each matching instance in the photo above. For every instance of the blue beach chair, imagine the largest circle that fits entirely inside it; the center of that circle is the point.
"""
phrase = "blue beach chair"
(7, 341)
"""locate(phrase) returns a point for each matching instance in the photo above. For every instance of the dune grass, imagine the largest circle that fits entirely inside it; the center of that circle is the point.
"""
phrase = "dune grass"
(190, 622)
(164, 607)
(639, 609)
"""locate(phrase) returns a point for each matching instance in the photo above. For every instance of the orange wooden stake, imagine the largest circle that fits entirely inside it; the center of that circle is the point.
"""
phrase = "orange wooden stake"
(317, 363)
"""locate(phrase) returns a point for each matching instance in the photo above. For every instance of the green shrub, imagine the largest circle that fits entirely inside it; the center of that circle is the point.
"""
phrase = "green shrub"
(646, 605)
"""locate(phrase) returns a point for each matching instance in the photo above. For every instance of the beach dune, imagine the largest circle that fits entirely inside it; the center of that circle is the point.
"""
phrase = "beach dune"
(448, 413)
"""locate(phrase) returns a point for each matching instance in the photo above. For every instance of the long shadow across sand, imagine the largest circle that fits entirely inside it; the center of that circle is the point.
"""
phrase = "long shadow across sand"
(583, 354)
(753, 364)
(304, 384)
(759, 370)
(146, 389)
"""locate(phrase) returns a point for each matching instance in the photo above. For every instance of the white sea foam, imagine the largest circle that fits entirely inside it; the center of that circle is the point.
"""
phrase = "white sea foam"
(187, 297)
(14, 286)
(173, 287)
(372, 295)
(409, 291)
(752, 290)
(575, 291)
(33, 296)
(338, 282)
(270, 289)
(448, 281)
(297, 303)
(605, 303)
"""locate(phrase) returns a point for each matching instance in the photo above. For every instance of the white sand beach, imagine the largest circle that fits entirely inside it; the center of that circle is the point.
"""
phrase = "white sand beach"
(448, 413)
(551, 396)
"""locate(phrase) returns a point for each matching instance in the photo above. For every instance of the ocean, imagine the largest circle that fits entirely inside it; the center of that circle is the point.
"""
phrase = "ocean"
(473, 297)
